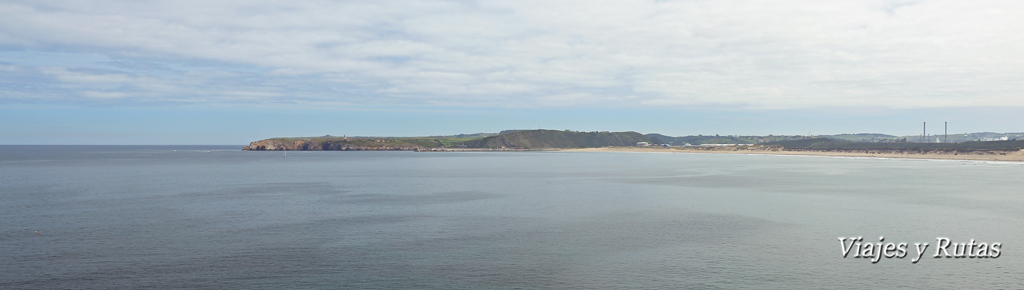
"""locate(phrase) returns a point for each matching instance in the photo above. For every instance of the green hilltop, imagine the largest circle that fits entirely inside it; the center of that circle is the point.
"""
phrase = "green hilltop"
(531, 139)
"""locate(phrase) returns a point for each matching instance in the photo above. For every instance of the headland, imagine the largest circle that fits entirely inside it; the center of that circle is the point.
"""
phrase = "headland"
(845, 145)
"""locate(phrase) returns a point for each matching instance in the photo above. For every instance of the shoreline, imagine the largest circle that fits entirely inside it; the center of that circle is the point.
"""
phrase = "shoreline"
(1009, 156)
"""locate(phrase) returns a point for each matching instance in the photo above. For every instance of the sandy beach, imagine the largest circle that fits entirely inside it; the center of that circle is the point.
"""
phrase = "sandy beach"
(1017, 156)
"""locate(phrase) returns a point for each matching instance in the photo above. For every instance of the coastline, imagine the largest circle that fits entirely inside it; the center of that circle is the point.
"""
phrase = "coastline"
(1009, 156)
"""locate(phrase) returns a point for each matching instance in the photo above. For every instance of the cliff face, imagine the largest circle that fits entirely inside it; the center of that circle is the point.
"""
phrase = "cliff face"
(320, 145)
(269, 144)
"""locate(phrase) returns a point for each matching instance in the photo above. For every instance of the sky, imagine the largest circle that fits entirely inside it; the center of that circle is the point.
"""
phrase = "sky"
(231, 72)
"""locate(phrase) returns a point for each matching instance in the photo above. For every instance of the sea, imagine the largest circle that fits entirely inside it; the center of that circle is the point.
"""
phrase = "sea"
(217, 217)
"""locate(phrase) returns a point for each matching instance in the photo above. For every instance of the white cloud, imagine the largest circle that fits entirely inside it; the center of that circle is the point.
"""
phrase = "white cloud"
(104, 95)
(65, 75)
(759, 54)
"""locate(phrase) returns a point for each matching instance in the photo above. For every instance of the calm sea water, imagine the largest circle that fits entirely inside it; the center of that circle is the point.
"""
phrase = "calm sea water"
(163, 217)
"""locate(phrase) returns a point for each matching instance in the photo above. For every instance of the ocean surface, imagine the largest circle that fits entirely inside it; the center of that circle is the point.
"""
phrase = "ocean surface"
(215, 217)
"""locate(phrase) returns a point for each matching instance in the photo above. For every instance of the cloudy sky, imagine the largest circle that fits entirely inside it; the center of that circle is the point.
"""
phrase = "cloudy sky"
(228, 72)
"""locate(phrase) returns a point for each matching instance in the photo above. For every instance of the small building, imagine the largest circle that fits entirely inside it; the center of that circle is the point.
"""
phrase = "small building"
(642, 144)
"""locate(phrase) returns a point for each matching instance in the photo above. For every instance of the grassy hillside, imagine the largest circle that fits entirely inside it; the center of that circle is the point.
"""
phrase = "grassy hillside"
(558, 139)
(461, 136)
(700, 139)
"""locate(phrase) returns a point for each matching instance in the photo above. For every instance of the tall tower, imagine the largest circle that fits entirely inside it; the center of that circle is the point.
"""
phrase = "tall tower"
(945, 132)
(924, 132)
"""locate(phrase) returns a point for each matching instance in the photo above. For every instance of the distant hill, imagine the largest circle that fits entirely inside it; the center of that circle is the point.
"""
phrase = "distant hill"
(537, 139)
(862, 137)
(557, 139)
(833, 144)
(737, 139)
(809, 143)
(699, 139)
(503, 132)
(528, 139)
(474, 135)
